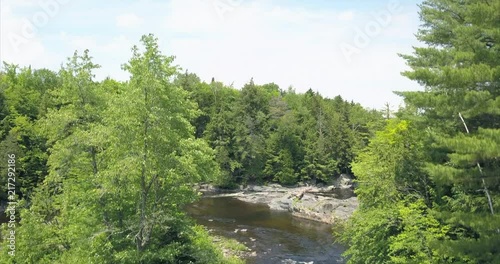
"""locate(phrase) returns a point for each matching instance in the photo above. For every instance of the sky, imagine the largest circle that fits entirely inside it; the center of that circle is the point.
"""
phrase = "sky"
(346, 48)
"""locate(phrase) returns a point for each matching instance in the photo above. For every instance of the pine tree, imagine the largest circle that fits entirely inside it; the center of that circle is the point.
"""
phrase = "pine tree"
(284, 153)
(321, 161)
(251, 131)
(460, 108)
(220, 133)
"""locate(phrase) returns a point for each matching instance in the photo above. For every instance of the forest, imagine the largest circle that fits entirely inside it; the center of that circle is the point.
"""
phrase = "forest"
(104, 168)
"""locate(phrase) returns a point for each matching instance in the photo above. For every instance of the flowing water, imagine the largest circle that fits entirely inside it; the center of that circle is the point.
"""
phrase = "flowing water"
(276, 237)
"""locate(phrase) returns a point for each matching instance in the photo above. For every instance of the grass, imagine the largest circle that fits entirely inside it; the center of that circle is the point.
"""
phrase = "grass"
(232, 250)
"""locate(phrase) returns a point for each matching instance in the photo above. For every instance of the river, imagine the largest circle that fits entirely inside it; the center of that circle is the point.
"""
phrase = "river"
(276, 237)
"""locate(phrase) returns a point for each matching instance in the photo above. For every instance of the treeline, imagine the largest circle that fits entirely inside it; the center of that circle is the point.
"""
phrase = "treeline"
(104, 168)
(429, 182)
(262, 133)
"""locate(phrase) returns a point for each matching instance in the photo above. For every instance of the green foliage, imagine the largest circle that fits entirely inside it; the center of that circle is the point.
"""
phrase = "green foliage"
(121, 162)
(434, 175)
(461, 69)
(24, 99)
(105, 168)
(394, 196)
(263, 134)
(251, 131)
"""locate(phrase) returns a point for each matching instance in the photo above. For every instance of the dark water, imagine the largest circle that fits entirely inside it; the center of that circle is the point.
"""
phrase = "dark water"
(277, 237)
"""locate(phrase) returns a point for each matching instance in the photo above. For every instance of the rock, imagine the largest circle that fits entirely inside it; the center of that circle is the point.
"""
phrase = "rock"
(255, 188)
(308, 197)
(328, 207)
(344, 181)
(282, 204)
(329, 188)
(275, 186)
(301, 193)
(305, 202)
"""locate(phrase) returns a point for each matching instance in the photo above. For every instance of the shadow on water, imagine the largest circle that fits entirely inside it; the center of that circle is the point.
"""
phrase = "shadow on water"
(275, 236)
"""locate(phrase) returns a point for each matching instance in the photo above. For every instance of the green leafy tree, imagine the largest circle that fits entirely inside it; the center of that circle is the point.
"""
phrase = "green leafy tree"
(122, 162)
(154, 156)
(394, 197)
(25, 98)
(61, 215)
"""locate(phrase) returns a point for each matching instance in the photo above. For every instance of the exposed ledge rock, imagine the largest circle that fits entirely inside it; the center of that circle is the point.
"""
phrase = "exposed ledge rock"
(325, 204)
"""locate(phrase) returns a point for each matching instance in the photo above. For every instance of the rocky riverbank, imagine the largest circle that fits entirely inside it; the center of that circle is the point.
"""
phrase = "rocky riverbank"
(326, 204)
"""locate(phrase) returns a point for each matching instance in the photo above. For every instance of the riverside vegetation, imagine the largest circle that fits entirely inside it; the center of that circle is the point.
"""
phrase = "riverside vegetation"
(429, 182)
(105, 168)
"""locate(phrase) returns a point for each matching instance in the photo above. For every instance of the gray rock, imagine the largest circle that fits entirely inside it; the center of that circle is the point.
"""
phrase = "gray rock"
(311, 205)
(275, 186)
(282, 204)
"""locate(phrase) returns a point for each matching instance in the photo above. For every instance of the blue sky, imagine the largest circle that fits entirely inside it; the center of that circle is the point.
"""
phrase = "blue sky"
(334, 47)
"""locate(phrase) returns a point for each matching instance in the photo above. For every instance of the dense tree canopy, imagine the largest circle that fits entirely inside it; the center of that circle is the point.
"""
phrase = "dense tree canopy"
(105, 168)
(262, 133)
(431, 192)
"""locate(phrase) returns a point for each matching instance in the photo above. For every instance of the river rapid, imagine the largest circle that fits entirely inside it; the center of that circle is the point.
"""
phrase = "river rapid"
(275, 236)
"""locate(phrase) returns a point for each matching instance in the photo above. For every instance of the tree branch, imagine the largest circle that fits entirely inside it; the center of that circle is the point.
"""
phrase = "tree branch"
(490, 203)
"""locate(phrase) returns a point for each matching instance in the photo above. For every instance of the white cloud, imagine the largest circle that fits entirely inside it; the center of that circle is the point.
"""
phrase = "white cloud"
(110, 54)
(19, 44)
(79, 42)
(281, 44)
(191, 16)
(291, 47)
(346, 16)
(22, 3)
(128, 20)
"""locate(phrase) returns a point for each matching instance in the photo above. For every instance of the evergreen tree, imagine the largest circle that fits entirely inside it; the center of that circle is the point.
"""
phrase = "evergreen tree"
(321, 139)
(460, 69)
(284, 153)
(220, 133)
(251, 130)
(429, 185)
